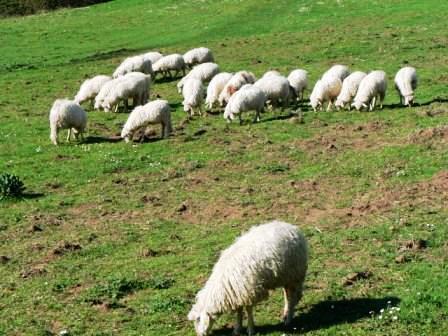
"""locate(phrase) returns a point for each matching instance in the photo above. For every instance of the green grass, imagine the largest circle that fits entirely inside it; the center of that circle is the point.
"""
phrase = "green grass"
(360, 185)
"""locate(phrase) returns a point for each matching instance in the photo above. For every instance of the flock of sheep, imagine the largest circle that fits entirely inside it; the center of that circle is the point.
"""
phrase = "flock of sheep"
(234, 92)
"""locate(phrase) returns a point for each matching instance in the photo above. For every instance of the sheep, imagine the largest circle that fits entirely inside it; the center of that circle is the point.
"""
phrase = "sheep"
(298, 80)
(137, 63)
(155, 112)
(271, 73)
(339, 71)
(173, 62)
(204, 72)
(193, 93)
(373, 86)
(405, 84)
(276, 88)
(104, 91)
(326, 89)
(67, 114)
(269, 256)
(198, 56)
(247, 98)
(350, 86)
(234, 84)
(215, 87)
(90, 89)
(153, 56)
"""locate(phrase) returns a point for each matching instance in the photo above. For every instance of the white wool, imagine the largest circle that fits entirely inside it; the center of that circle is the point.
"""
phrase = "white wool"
(104, 91)
(153, 56)
(350, 86)
(271, 73)
(275, 88)
(405, 83)
(325, 90)
(298, 80)
(371, 88)
(193, 93)
(215, 87)
(204, 72)
(90, 88)
(66, 114)
(173, 62)
(155, 112)
(134, 64)
(197, 56)
(268, 256)
(339, 71)
(234, 84)
(247, 98)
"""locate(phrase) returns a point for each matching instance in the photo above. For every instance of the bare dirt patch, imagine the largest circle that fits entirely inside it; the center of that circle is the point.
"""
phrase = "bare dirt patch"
(430, 135)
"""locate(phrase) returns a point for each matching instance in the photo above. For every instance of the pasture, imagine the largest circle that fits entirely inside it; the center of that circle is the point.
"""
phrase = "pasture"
(116, 239)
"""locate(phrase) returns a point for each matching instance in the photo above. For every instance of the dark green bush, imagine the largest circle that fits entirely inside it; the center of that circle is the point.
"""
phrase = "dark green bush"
(10, 186)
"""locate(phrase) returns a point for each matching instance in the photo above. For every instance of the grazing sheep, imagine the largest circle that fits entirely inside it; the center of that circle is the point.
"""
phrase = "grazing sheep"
(247, 98)
(134, 64)
(405, 84)
(153, 56)
(269, 256)
(373, 86)
(271, 73)
(155, 112)
(104, 91)
(198, 56)
(326, 89)
(339, 71)
(193, 93)
(90, 89)
(298, 80)
(203, 72)
(276, 88)
(234, 84)
(350, 86)
(215, 87)
(66, 114)
(173, 62)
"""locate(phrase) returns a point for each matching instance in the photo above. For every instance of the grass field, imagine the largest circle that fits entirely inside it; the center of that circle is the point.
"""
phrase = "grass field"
(116, 239)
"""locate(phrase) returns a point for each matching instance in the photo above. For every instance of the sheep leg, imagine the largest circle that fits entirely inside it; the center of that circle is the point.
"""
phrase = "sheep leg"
(250, 321)
(382, 95)
(292, 297)
(238, 329)
(330, 103)
(69, 134)
(372, 103)
(257, 116)
(241, 120)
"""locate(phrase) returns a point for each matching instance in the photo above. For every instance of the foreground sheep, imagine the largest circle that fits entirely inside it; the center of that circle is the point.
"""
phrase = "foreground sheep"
(234, 84)
(339, 71)
(66, 114)
(371, 88)
(90, 89)
(269, 256)
(248, 98)
(325, 90)
(193, 93)
(215, 88)
(134, 64)
(405, 84)
(155, 112)
(198, 56)
(298, 80)
(203, 72)
(276, 89)
(350, 86)
(166, 64)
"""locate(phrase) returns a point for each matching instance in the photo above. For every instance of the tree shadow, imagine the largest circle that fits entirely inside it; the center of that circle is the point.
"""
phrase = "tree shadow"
(95, 139)
(325, 314)
(32, 195)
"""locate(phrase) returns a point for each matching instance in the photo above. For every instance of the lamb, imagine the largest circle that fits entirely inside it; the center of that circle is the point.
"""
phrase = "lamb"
(198, 56)
(276, 88)
(326, 89)
(298, 80)
(153, 56)
(173, 62)
(134, 64)
(90, 89)
(215, 87)
(405, 84)
(67, 114)
(193, 93)
(269, 256)
(155, 112)
(350, 86)
(373, 86)
(248, 98)
(234, 84)
(339, 71)
(203, 72)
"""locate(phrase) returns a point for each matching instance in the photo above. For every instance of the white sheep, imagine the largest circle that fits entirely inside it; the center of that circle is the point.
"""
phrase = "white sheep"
(339, 71)
(155, 112)
(234, 84)
(350, 86)
(405, 84)
(371, 88)
(269, 256)
(67, 114)
(298, 80)
(153, 56)
(104, 91)
(137, 63)
(203, 72)
(215, 87)
(325, 90)
(276, 88)
(247, 98)
(271, 73)
(193, 93)
(90, 89)
(198, 56)
(173, 62)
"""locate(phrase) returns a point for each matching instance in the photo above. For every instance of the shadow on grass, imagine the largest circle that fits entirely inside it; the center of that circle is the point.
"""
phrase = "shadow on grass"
(325, 314)
(93, 139)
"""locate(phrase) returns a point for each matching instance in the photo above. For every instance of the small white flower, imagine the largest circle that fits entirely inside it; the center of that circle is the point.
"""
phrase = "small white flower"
(382, 310)
(394, 318)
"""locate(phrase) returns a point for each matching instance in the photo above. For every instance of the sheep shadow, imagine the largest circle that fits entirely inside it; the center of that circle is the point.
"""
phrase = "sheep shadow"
(95, 139)
(416, 104)
(324, 315)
